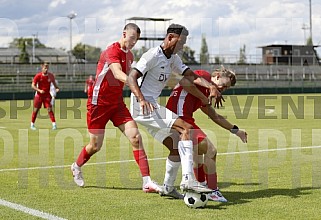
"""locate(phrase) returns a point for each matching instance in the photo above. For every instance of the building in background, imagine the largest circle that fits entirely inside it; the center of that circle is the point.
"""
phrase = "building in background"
(286, 54)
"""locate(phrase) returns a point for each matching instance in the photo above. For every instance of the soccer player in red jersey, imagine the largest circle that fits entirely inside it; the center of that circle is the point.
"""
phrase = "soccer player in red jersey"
(106, 104)
(184, 105)
(89, 85)
(41, 84)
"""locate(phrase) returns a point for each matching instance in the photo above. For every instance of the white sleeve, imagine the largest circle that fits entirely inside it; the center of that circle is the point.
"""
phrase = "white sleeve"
(179, 67)
(145, 63)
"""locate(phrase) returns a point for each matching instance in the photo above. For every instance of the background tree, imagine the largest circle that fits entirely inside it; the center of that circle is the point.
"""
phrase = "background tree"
(86, 53)
(219, 60)
(22, 44)
(18, 42)
(309, 41)
(139, 52)
(24, 56)
(188, 55)
(242, 57)
(204, 55)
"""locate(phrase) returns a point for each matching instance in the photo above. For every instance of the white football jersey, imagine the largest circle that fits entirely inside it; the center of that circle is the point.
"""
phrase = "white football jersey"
(156, 69)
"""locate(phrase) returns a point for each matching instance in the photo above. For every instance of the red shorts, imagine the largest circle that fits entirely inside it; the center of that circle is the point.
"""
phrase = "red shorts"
(39, 100)
(98, 116)
(198, 134)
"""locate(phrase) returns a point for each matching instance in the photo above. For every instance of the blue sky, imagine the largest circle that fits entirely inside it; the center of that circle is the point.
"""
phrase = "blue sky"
(227, 25)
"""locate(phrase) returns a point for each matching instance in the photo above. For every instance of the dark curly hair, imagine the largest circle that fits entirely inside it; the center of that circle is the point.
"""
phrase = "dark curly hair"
(177, 29)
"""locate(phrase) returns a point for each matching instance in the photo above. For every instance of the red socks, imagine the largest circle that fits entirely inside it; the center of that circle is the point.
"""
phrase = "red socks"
(83, 157)
(33, 117)
(201, 176)
(141, 160)
(199, 173)
(211, 180)
(52, 116)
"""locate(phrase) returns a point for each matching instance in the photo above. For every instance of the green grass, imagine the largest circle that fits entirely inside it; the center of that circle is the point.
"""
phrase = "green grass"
(268, 182)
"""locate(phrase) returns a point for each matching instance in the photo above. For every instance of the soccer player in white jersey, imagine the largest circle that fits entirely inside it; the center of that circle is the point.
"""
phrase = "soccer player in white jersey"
(155, 67)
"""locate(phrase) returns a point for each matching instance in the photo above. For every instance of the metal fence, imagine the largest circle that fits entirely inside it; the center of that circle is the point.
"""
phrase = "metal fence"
(18, 77)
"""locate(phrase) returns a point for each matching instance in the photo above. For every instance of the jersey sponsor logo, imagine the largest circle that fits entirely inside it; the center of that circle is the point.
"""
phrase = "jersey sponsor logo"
(163, 77)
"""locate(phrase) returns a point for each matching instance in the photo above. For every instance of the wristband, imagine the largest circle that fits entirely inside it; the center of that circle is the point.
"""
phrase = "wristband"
(234, 130)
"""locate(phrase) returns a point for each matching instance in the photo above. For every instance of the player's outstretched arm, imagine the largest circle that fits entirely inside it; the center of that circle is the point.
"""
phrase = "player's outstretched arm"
(221, 121)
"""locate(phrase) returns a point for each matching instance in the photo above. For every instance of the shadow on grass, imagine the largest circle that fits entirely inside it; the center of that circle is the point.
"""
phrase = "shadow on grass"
(246, 196)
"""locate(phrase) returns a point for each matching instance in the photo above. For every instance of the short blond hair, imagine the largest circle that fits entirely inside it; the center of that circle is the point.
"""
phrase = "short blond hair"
(224, 72)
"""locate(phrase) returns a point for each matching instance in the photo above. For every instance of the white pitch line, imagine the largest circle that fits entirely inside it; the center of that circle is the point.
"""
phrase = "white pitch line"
(87, 164)
(29, 211)
(48, 216)
(160, 158)
(269, 150)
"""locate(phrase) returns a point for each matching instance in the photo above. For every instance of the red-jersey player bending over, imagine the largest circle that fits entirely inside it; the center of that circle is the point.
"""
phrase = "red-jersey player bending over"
(184, 105)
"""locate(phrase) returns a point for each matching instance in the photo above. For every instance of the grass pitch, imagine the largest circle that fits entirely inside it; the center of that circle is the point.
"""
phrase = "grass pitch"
(276, 175)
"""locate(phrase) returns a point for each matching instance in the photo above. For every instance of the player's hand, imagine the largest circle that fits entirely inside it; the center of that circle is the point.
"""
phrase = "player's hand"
(41, 91)
(214, 93)
(242, 135)
(146, 107)
(218, 102)
(57, 90)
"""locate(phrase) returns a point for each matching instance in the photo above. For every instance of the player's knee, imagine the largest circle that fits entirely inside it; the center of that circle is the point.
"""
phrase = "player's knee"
(211, 151)
(135, 140)
(93, 148)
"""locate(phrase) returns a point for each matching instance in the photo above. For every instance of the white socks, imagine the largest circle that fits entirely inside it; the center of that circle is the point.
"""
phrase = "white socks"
(185, 149)
(146, 179)
(171, 173)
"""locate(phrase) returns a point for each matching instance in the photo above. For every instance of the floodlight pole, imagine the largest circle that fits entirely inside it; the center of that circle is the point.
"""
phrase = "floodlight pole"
(310, 20)
(71, 16)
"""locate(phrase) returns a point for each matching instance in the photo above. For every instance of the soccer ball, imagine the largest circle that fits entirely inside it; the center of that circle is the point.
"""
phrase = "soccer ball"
(195, 200)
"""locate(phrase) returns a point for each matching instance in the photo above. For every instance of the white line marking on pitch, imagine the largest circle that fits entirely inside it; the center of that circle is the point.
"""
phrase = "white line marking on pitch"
(29, 211)
(161, 158)
(45, 215)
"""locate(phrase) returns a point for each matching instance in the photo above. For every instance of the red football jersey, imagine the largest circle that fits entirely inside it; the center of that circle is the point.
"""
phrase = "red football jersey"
(185, 104)
(43, 82)
(107, 89)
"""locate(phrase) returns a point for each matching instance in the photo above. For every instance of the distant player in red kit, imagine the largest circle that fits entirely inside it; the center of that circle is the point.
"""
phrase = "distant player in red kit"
(41, 84)
(89, 85)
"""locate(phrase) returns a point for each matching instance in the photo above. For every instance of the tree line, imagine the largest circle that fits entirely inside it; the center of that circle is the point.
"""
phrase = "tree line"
(88, 53)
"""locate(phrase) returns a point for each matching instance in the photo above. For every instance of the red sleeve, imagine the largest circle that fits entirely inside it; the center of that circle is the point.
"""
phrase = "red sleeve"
(112, 55)
(36, 79)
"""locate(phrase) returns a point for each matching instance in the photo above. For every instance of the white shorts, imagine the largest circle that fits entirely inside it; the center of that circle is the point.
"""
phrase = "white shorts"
(158, 123)
(53, 93)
